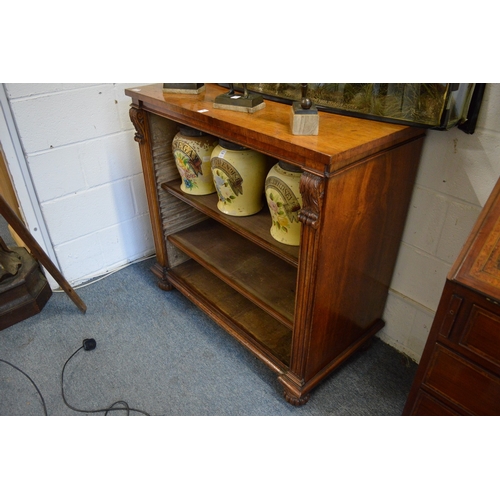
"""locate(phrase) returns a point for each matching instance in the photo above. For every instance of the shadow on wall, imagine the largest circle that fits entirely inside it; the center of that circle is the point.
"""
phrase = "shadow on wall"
(463, 166)
(480, 159)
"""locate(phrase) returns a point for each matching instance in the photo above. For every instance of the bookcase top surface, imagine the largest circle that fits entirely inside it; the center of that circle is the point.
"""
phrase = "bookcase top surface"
(341, 141)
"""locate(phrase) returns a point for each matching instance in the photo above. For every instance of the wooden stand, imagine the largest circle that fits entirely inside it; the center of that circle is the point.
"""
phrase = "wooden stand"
(304, 121)
(241, 109)
(183, 88)
(38, 252)
(25, 294)
(301, 310)
(239, 102)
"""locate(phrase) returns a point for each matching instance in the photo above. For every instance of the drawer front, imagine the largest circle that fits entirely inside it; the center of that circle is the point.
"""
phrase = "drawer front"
(426, 405)
(462, 383)
(481, 334)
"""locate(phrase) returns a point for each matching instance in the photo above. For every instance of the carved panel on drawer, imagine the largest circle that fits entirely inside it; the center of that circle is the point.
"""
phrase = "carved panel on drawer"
(463, 383)
(482, 334)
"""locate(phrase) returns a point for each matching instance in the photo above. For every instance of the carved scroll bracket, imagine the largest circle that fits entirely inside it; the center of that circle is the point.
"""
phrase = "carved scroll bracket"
(138, 118)
(312, 189)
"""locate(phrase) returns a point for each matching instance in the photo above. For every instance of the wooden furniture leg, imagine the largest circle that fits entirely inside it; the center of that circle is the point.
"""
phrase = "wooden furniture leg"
(38, 252)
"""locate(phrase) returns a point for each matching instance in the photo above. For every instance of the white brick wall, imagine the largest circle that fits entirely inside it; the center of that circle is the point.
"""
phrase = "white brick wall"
(85, 166)
(456, 175)
(78, 141)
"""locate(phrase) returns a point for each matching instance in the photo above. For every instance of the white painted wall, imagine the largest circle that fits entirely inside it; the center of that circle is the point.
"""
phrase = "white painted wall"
(456, 175)
(85, 165)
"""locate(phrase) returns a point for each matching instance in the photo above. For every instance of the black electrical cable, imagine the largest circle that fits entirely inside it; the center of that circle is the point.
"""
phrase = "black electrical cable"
(29, 378)
(88, 345)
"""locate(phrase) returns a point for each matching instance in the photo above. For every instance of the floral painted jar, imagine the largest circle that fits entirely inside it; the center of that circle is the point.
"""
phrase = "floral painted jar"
(239, 174)
(284, 201)
(192, 150)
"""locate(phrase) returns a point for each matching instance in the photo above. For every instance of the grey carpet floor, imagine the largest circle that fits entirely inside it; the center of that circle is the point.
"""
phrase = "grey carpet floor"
(160, 354)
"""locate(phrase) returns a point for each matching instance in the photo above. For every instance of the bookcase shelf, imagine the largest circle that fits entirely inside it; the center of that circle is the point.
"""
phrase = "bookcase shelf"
(258, 275)
(255, 227)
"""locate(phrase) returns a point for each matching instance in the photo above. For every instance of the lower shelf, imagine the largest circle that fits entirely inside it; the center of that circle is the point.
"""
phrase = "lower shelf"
(266, 337)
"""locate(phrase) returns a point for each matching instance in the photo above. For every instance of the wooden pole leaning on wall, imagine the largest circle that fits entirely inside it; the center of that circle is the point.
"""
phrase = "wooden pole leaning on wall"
(38, 252)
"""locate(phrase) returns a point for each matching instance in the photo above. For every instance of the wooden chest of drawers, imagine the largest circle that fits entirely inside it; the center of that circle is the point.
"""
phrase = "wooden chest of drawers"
(459, 373)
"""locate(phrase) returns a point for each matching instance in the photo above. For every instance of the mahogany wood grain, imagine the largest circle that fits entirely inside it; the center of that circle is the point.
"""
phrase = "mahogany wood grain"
(462, 383)
(267, 338)
(477, 337)
(140, 120)
(478, 264)
(429, 406)
(364, 224)
(262, 278)
(329, 293)
(460, 365)
(341, 139)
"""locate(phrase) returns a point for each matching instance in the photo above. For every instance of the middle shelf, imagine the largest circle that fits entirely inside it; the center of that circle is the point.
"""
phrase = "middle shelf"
(261, 277)
(255, 228)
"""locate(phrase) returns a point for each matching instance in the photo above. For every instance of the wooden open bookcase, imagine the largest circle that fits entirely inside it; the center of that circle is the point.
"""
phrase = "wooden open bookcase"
(301, 310)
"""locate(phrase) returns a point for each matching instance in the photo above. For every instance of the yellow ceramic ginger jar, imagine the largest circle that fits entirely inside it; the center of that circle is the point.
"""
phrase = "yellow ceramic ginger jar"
(192, 150)
(239, 174)
(284, 201)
